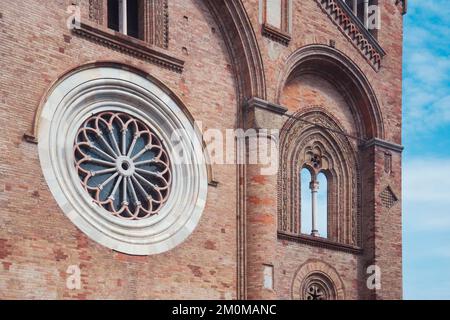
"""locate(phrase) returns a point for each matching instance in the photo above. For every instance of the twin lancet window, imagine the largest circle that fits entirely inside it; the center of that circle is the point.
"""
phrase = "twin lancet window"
(318, 181)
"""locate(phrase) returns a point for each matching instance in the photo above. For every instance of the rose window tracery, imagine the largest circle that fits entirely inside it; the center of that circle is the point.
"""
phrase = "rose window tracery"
(318, 287)
(123, 165)
(315, 292)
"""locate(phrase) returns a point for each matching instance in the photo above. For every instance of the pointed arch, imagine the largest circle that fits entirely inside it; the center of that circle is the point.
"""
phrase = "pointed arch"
(335, 67)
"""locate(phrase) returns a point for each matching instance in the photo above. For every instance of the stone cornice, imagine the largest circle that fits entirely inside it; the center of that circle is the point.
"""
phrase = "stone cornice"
(353, 29)
(383, 144)
(275, 34)
(320, 242)
(128, 45)
(265, 105)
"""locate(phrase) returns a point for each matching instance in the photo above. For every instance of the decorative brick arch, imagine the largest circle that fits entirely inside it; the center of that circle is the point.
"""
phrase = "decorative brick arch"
(319, 272)
(335, 67)
(300, 142)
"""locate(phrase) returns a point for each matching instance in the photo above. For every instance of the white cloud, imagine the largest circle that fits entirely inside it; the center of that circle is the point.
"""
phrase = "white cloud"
(426, 194)
(427, 181)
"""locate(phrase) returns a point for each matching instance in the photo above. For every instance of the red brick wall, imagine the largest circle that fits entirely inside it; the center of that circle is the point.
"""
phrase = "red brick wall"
(381, 227)
(38, 243)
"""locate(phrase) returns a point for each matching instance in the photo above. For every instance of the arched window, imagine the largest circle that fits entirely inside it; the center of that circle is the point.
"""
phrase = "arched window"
(319, 181)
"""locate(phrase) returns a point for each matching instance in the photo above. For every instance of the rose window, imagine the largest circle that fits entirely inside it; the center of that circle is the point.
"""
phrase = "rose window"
(113, 164)
(315, 292)
(123, 165)
(318, 287)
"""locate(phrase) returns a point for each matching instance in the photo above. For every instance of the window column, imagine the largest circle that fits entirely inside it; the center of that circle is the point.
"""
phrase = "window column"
(314, 186)
(355, 7)
(123, 17)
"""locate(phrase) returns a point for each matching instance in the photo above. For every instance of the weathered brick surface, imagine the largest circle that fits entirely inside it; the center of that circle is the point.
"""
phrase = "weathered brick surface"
(38, 243)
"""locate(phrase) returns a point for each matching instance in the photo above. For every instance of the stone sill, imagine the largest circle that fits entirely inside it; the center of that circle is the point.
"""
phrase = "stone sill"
(320, 242)
(276, 34)
(129, 45)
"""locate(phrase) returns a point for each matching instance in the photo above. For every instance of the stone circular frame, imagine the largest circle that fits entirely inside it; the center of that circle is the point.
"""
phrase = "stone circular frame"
(319, 274)
(317, 286)
(84, 93)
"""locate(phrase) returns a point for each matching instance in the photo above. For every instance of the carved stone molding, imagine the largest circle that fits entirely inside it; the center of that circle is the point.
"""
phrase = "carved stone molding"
(320, 243)
(159, 22)
(77, 102)
(351, 27)
(134, 47)
(96, 11)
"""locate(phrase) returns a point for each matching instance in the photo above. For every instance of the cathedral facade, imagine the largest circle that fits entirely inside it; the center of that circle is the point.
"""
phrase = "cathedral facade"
(134, 139)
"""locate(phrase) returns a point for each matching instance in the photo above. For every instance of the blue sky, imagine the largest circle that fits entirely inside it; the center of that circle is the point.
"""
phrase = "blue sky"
(426, 136)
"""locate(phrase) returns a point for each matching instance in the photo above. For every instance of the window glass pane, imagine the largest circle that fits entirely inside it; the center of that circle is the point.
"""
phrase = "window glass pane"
(113, 14)
(273, 12)
(322, 205)
(305, 204)
(133, 18)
